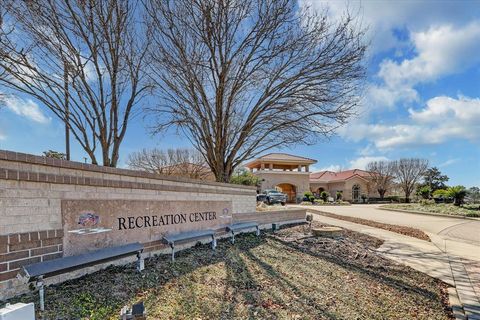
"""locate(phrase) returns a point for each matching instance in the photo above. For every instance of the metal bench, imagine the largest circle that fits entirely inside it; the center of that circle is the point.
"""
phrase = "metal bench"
(39, 271)
(237, 227)
(187, 237)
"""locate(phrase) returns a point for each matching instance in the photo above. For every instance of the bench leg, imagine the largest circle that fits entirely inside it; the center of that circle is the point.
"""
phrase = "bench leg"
(214, 242)
(140, 262)
(233, 238)
(41, 292)
(172, 245)
(258, 231)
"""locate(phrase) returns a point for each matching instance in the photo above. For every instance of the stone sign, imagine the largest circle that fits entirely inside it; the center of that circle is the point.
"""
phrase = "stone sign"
(93, 224)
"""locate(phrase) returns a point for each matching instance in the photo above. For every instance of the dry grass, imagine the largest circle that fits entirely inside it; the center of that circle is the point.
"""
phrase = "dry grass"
(287, 275)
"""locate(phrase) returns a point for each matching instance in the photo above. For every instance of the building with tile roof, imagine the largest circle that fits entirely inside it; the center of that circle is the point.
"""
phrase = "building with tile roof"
(290, 174)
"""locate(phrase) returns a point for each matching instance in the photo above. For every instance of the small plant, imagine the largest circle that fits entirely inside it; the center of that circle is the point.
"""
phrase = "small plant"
(308, 196)
(319, 201)
(364, 198)
(339, 195)
(324, 196)
(427, 202)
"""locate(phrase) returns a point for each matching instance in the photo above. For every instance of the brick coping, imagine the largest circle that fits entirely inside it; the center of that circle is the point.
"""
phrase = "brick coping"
(51, 162)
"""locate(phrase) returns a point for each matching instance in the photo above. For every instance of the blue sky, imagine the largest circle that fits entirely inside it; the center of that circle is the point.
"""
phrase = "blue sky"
(422, 98)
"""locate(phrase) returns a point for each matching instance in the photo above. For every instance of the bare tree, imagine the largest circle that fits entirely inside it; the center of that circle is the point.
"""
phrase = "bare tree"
(242, 77)
(173, 162)
(408, 172)
(81, 59)
(381, 176)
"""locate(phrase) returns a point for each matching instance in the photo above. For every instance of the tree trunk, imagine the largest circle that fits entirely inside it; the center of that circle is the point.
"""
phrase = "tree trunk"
(381, 192)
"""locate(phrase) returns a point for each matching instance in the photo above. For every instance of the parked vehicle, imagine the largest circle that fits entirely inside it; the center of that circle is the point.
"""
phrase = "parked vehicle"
(272, 196)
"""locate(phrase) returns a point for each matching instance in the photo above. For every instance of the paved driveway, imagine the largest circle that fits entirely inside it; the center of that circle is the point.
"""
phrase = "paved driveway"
(457, 236)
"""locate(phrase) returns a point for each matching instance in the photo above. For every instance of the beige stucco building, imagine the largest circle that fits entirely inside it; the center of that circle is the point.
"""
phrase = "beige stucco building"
(285, 172)
(290, 174)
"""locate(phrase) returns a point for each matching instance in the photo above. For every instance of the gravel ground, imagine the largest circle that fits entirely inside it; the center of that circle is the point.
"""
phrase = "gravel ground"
(408, 231)
(286, 275)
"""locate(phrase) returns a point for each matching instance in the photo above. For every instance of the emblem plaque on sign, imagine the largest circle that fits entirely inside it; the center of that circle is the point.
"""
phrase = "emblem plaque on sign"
(89, 221)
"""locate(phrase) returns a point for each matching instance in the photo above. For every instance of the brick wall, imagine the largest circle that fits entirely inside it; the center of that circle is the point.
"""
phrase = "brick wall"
(32, 188)
(20, 249)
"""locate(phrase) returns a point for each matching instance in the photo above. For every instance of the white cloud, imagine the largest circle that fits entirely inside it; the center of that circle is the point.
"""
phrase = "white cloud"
(448, 162)
(442, 119)
(383, 17)
(442, 50)
(27, 109)
(361, 163)
(2, 137)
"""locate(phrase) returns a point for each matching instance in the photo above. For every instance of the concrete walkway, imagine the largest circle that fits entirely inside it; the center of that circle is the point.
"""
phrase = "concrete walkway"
(425, 257)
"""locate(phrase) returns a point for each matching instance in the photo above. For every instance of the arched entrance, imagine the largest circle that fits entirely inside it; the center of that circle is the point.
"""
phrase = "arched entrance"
(290, 190)
(356, 190)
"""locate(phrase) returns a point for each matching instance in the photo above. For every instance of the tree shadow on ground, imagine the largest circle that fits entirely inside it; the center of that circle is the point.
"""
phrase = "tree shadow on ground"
(102, 294)
(377, 273)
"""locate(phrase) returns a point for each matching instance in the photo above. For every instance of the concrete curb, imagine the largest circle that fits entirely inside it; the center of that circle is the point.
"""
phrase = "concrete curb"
(431, 214)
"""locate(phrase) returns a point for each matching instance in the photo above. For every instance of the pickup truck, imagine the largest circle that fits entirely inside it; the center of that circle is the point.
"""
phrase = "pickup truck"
(271, 196)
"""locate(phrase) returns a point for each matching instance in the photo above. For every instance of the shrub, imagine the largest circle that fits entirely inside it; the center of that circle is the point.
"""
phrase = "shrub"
(424, 192)
(308, 196)
(324, 196)
(319, 201)
(471, 206)
(245, 177)
(440, 193)
(427, 202)
(458, 193)
(364, 197)
(393, 198)
(339, 195)
(473, 215)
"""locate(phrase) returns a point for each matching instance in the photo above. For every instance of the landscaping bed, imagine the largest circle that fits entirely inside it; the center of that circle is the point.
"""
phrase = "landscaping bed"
(286, 275)
(408, 231)
(438, 208)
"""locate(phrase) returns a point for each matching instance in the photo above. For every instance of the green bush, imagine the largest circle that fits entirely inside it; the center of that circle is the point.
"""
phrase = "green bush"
(471, 206)
(324, 196)
(427, 202)
(309, 196)
(339, 195)
(244, 177)
(319, 201)
(458, 193)
(440, 193)
(424, 192)
(472, 215)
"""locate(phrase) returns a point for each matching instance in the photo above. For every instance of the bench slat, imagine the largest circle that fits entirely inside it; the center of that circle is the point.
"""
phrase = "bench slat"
(61, 265)
(185, 236)
(241, 226)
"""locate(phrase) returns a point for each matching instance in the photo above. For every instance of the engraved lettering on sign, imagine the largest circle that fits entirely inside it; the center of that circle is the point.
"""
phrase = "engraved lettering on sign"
(127, 223)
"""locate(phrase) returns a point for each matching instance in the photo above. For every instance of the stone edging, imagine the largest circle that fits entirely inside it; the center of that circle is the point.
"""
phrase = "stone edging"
(40, 160)
(431, 214)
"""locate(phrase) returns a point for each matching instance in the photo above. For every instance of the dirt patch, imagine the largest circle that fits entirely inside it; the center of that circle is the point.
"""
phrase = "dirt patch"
(408, 231)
